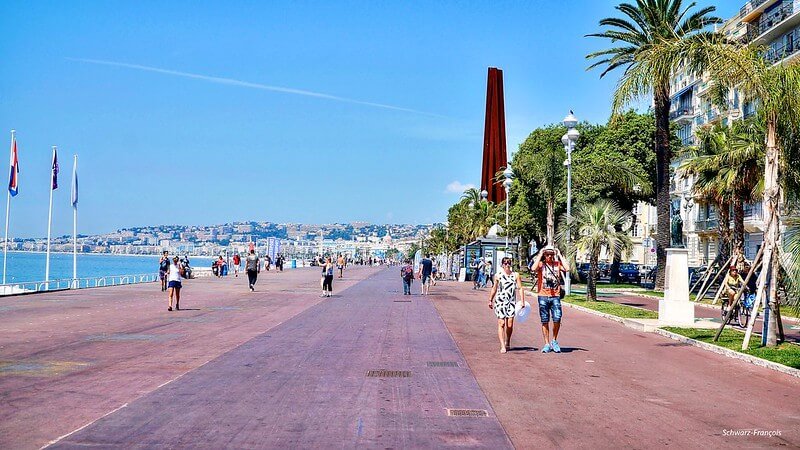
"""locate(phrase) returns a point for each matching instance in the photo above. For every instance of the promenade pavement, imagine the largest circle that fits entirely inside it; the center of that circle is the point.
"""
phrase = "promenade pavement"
(283, 368)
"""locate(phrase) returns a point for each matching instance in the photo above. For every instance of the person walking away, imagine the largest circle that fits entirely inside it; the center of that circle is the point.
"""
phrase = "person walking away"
(279, 262)
(503, 300)
(327, 281)
(549, 273)
(175, 276)
(163, 268)
(252, 267)
(340, 265)
(236, 261)
(489, 272)
(425, 272)
(267, 263)
(407, 274)
(481, 273)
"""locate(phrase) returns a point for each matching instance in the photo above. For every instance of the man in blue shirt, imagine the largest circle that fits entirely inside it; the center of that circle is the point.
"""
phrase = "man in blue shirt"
(425, 272)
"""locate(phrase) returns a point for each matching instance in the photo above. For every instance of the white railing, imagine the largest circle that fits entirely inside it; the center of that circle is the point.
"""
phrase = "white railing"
(27, 287)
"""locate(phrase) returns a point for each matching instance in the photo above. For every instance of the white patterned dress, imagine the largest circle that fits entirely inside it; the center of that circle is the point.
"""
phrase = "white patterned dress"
(506, 297)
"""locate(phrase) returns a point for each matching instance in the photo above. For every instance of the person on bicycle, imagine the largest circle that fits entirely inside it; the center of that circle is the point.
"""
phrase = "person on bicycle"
(733, 282)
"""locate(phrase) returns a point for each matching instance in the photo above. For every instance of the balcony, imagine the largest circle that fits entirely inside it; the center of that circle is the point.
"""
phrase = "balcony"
(754, 218)
(779, 54)
(753, 9)
(706, 225)
(769, 26)
(682, 114)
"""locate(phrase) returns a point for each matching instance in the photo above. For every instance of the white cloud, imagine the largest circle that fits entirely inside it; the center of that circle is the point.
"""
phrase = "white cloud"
(457, 188)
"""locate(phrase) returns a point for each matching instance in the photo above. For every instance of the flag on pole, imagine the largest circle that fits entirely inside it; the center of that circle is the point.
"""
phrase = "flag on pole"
(75, 183)
(13, 182)
(55, 169)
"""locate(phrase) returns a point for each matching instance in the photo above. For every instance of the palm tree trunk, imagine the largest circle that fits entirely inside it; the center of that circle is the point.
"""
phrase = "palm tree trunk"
(772, 197)
(738, 230)
(724, 244)
(663, 159)
(550, 222)
(594, 269)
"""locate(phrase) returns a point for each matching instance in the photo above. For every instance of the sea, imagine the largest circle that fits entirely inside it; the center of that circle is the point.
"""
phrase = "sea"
(30, 266)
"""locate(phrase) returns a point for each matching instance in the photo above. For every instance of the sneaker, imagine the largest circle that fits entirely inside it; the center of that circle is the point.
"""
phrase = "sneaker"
(555, 346)
(546, 348)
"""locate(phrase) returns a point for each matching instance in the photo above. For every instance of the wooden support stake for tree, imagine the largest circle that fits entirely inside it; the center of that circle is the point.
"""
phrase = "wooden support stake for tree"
(720, 271)
(766, 265)
(729, 315)
(703, 279)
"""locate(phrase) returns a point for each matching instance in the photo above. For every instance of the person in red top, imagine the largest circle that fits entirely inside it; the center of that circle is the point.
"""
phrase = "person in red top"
(236, 261)
(548, 286)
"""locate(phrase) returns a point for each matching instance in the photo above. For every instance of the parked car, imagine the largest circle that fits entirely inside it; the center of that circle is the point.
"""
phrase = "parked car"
(629, 273)
(603, 272)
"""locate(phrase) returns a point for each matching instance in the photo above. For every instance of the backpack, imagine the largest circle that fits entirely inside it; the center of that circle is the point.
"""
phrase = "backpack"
(408, 272)
(164, 265)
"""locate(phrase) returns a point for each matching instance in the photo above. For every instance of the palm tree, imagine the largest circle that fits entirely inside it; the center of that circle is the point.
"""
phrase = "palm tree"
(791, 261)
(649, 60)
(594, 227)
(728, 165)
(777, 90)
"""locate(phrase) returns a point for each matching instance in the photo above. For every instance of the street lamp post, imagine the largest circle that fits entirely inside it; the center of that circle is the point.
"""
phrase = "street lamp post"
(508, 173)
(569, 140)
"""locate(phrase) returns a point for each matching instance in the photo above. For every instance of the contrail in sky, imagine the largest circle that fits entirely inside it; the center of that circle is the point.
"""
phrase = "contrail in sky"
(265, 87)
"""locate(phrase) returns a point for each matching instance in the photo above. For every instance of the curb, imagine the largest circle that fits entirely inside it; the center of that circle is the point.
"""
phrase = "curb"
(730, 353)
(639, 326)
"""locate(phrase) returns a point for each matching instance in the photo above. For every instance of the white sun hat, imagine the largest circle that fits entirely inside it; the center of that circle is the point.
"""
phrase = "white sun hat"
(521, 312)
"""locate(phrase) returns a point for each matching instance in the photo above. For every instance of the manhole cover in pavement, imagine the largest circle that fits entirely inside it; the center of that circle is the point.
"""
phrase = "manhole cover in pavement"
(388, 373)
(467, 413)
(125, 337)
(442, 364)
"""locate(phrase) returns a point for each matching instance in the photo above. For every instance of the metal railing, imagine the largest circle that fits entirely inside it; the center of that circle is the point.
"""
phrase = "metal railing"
(774, 55)
(27, 287)
(681, 111)
(768, 21)
(749, 6)
(706, 224)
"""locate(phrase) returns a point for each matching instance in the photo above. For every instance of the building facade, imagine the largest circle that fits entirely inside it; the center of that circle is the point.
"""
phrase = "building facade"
(773, 24)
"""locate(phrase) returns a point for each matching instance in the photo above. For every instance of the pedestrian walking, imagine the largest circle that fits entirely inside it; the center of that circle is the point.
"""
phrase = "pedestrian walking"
(327, 280)
(548, 286)
(267, 263)
(220, 263)
(407, 275)
(175, 275)
(424, 274)
(489, 269)
(340, 265)
(163, 268)
(279, 262)
(236, 261)
(503, 300)
(252, 267)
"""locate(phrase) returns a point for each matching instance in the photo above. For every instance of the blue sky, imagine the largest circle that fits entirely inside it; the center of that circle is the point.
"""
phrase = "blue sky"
(211, 112)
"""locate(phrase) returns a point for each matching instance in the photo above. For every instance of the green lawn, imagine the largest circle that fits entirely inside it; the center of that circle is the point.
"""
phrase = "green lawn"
(615, 309)
(787, 354)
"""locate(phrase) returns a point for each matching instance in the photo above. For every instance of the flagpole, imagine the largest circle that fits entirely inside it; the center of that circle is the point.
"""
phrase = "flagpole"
(49, 223)
(8, 209)
(74, 226)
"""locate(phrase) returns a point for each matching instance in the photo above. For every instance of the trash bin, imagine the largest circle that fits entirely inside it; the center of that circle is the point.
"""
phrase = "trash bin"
(294, 264)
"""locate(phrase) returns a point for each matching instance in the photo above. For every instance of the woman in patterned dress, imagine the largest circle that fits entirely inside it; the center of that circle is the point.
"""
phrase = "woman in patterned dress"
(503, 301)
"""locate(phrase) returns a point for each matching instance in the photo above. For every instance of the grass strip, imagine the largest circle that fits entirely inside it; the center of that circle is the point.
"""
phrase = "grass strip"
(624, 311)
(786, 353)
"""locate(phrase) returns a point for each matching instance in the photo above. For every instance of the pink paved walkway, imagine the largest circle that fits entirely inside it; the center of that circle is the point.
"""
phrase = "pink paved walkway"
(614, 387)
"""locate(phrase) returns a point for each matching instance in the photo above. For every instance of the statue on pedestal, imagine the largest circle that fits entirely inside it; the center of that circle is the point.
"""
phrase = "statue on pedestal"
(676, 230)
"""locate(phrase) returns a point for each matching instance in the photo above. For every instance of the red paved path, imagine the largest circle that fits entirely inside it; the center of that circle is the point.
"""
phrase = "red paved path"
(614, 387)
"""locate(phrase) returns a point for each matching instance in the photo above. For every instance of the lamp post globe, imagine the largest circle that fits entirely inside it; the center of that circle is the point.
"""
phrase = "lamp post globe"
(573, 134)
(570, 121)
(484, 194)
(565, 140)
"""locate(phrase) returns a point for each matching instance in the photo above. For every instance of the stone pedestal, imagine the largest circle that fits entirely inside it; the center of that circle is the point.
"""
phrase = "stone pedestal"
(676, 309)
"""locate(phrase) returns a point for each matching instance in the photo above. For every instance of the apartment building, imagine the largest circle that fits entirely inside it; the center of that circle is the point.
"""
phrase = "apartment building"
(773, 24)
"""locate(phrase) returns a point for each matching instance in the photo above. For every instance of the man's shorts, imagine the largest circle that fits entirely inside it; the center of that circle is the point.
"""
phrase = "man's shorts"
(426, 278)
(162, 274)
(548, 306)
(174, 284)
